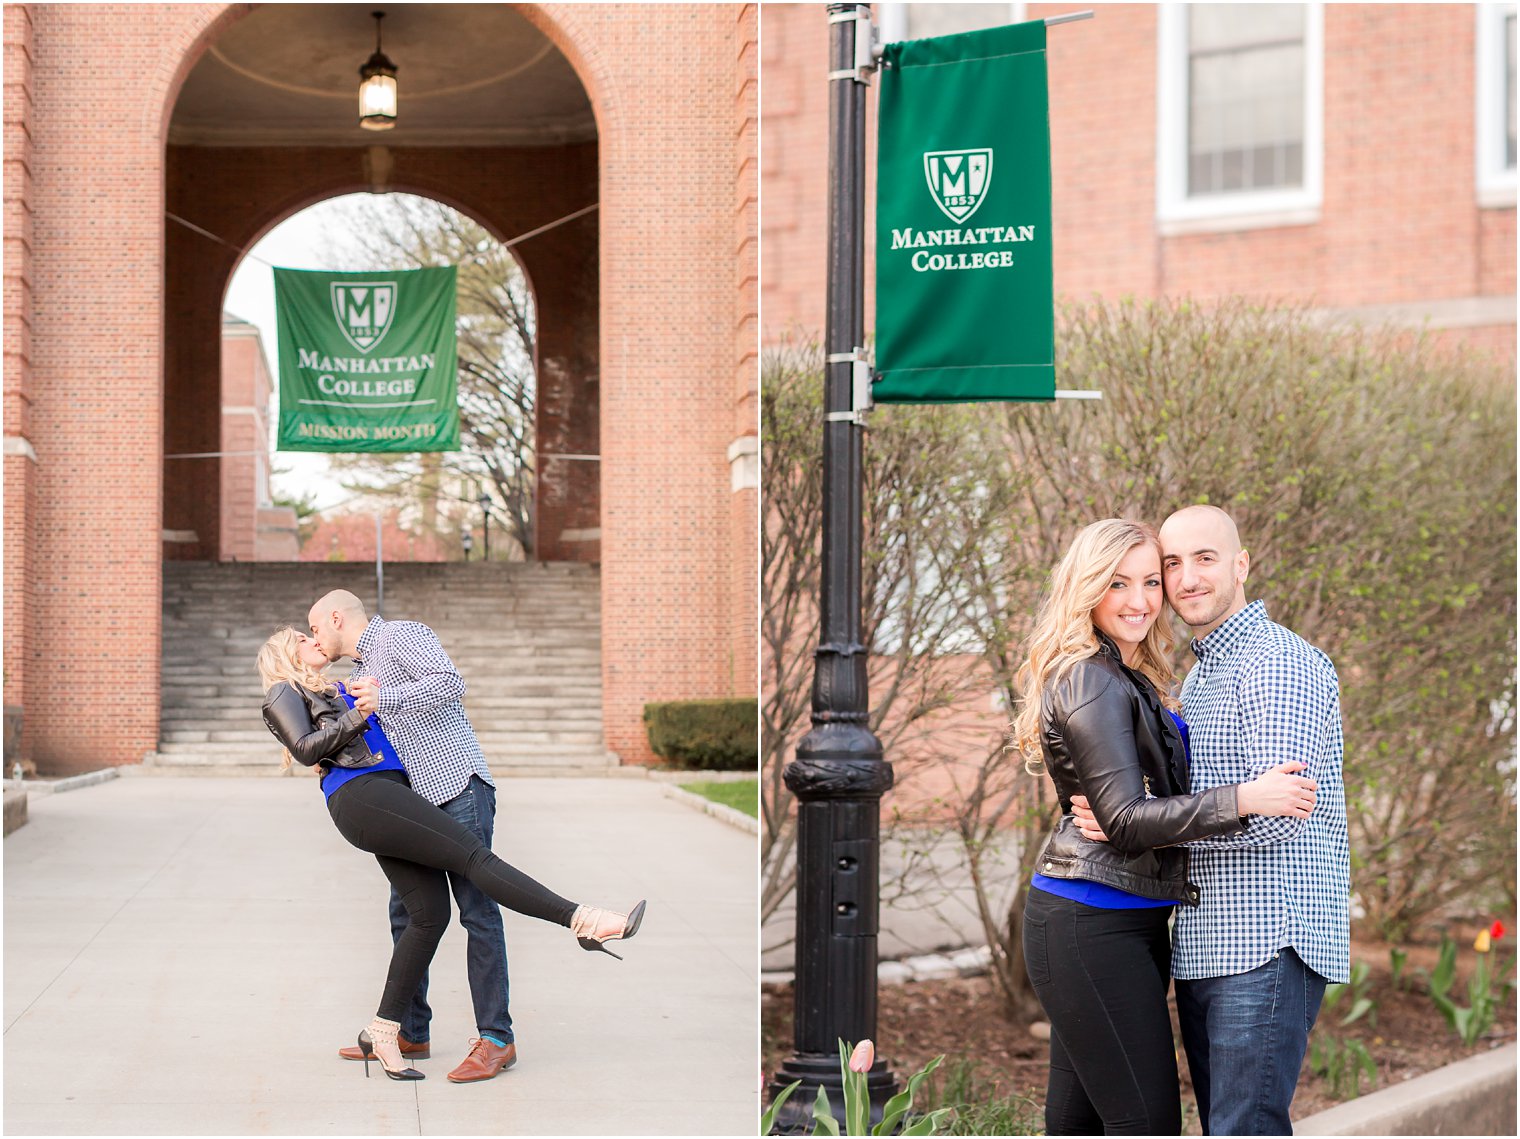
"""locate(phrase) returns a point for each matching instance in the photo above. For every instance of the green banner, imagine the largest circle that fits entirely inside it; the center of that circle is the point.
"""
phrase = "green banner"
(965, 305)
(367, 360)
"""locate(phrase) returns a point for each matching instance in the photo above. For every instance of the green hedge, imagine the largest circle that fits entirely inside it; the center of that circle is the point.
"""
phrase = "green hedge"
(708, 735)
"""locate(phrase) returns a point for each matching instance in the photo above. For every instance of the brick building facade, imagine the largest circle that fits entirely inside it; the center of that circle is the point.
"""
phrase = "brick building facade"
(1411, 223)
(253, 529)
(113, 318)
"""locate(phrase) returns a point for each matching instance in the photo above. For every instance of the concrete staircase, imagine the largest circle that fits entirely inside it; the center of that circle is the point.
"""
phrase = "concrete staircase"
(525, 637)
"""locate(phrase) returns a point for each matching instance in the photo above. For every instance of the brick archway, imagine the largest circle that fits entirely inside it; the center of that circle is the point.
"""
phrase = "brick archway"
(89, 363)
(239, 194)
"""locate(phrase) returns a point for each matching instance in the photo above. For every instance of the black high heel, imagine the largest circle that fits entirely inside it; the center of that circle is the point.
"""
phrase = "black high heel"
(367, 1046)
(587, 922)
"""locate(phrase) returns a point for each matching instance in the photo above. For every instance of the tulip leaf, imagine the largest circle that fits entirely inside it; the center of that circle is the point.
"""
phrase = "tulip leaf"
(1358, 1010)
(824, 1122)
(928, 1124)
(768, 1120)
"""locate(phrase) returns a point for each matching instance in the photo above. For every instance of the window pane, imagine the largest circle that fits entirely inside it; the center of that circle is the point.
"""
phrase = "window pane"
(1246, 98)
(1212, 27)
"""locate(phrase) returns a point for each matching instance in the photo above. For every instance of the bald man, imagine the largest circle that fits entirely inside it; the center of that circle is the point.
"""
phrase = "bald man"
(1251, 960)
(402, 674)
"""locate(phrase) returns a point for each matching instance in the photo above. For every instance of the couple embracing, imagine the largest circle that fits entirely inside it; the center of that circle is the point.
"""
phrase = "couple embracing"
(1220, 814)
(404, 779)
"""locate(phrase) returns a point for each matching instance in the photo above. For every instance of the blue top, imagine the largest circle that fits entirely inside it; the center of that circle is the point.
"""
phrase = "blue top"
(1096, 894)
(378, 744)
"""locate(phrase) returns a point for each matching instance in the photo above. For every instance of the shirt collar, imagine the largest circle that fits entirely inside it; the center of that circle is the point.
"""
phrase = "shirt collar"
(1217, 644)
(368, 638)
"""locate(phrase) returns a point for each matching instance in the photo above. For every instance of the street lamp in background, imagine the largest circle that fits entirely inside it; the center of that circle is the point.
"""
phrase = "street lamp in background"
(485, 523)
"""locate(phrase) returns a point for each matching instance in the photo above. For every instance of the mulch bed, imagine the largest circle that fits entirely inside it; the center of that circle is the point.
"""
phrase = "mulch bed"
(963, 1017)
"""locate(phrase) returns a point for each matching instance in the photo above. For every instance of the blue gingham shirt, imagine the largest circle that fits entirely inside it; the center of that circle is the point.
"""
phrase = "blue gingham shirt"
(1261, 695)
(420, 707)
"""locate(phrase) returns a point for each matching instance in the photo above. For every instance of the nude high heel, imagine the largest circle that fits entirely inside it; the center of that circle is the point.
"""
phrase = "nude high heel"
(382, 1034)
(593, 927)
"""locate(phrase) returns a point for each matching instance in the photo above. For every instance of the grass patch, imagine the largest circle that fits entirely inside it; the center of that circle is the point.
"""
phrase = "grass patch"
(980, 1107)
(741, 794)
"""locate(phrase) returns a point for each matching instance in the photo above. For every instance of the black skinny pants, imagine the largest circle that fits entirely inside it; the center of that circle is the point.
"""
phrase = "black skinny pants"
(415, 843)
(1102, 977)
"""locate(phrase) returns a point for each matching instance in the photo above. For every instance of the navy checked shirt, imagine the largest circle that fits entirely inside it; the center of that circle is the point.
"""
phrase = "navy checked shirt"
(420, 707)
(1261, 695)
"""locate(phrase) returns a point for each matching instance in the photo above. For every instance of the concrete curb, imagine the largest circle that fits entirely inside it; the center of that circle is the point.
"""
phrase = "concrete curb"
(717, 810)
(15, 808)
(697, 776)
(40, 787)
(1475, 1096)
(970, 962)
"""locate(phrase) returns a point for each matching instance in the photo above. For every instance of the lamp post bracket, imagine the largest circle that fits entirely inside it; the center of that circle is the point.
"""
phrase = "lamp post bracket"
(867, 48)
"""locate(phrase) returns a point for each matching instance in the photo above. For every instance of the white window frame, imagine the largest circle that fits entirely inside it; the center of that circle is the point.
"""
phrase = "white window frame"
(892, 19)
(1496, 183)
(1176, 212)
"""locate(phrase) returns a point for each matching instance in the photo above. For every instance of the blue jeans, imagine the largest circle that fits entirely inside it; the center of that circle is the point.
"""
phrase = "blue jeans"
(486, 954)
(1245, 1038)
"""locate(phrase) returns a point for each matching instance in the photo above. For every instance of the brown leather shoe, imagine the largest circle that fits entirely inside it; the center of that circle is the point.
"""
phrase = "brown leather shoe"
(410, 1051)
(484, 1062)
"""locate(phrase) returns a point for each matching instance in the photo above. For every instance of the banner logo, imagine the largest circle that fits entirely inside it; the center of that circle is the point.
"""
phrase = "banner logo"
(364, 310)
(959, 180)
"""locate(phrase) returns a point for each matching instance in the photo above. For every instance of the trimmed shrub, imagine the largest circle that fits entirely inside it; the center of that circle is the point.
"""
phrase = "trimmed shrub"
(709, 735)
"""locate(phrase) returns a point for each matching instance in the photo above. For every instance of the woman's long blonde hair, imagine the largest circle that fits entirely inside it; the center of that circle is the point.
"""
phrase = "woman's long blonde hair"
(279, 661)
(1064, 632)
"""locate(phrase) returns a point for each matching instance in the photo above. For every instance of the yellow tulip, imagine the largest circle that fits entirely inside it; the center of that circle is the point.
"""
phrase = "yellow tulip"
(1482, 942)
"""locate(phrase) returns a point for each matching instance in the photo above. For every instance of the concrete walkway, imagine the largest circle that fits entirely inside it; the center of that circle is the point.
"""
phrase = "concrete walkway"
(184, 956)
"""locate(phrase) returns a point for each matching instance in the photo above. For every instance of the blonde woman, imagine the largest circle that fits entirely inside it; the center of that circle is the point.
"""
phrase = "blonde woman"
(414, 841)
(1097, 713)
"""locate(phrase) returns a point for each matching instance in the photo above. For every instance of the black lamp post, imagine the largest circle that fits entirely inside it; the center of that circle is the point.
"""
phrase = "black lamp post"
(485, 523)
(839, 774)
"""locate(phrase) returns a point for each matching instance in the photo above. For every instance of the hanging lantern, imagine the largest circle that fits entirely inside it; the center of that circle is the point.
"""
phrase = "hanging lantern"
(377, 87)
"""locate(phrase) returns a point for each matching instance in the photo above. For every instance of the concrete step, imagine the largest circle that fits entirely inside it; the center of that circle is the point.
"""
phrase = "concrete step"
(526, 638)
(234, 701)
(546, 664)
(232, 756)
(505, 736)
(208, 727)
(231, 700)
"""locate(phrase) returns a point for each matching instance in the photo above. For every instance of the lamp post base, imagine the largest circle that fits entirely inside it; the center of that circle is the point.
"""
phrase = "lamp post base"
(817, 1070)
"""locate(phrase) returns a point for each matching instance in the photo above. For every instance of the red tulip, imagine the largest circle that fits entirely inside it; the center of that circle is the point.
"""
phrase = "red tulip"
(1496, 930)
(863, 1057)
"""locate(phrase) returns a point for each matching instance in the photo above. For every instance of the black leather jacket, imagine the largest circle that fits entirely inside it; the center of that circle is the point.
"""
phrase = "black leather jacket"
(1107, 736)
(317, 729)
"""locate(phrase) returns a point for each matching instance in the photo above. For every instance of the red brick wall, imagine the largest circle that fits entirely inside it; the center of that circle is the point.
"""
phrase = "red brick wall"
(20, 467)
(245, 391)
(1399, 222)
(743, 571)
(794, 165)
(675, 118)
(92, 551)
(669, 320)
